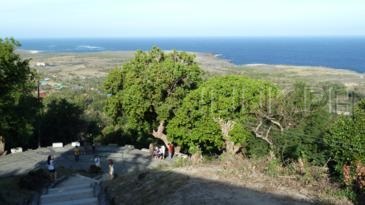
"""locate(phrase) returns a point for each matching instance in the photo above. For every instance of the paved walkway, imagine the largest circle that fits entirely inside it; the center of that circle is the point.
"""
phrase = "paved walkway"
(21, 163)
(125, 159)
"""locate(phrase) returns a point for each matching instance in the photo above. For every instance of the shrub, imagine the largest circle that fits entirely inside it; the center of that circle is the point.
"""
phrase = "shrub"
(34, 180)
(346, 138)
(273, 168)
(256, 147)
(94, 169)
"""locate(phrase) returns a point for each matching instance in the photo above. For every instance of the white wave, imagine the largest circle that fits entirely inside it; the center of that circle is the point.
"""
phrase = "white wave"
(33, 51)
(255, 64)
(89, 47)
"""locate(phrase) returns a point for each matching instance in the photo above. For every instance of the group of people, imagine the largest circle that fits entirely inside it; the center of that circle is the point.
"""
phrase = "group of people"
(159, 152)
(97, 162)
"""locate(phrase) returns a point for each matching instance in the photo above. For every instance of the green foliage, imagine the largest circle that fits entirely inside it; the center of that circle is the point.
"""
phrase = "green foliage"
(34, 180)
(181, 162)
(93, 169)
(113, 134)
(273, 167)
(15, 72)
(305, 140)
(346, 192)
(149, 89)
(61, 122)
(346, 137)
(91, 103)
(228, 98)
(304, 119)
(256, 147)
(239, 133)
(18, 108)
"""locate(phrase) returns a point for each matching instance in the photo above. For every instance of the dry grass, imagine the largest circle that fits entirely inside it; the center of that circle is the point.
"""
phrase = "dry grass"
(196, 181)
(270, 176)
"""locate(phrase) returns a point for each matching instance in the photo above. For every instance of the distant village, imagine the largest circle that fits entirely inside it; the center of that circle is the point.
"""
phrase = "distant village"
(50, 83)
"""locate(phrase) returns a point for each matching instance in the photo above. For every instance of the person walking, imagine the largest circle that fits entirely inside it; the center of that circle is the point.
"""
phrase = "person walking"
(97, 161)
(172, 150)
(51, 168)
(169, 150)
(77, 153)
(162, 151)
(111, 169)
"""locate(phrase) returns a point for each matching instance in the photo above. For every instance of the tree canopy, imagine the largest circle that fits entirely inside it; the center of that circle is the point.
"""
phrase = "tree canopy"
(18, 108)
(215, 116)
(146, 92)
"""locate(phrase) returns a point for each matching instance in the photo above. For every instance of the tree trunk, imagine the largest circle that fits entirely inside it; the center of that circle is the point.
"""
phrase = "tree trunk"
(197, 158)
(177, 150)
(226, 127)
(231, 148)
(159, 133)
(2, 145)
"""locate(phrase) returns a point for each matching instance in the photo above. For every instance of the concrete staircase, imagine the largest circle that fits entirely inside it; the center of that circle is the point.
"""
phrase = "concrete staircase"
(75, 190)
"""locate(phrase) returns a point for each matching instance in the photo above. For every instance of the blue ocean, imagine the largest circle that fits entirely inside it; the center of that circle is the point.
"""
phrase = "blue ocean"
(343, 53)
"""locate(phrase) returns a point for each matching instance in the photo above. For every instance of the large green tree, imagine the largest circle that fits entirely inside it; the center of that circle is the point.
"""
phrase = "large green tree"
(18, 108)
(216, 116)
(146, 92)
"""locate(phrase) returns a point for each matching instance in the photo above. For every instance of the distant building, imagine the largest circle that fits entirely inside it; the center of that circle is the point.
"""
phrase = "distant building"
(40, 64)
(343, 113)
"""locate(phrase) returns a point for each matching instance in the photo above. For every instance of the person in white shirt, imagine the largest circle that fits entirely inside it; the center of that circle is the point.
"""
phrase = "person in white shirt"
(111, 169)
(51, 168)
(97, 161)
(162, 151)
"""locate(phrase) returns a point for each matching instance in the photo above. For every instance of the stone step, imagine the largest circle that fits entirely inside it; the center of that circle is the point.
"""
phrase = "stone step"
(69, 188)
(75, 181)
(85, 201)
(68, 195)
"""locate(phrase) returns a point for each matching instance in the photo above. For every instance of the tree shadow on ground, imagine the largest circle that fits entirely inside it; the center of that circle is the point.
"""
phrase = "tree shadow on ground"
(168, 187)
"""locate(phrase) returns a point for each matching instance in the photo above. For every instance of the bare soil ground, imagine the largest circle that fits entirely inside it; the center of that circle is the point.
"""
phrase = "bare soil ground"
(286, 74)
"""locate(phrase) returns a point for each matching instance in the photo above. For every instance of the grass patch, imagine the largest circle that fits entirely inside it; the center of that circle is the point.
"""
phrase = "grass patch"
(11, 193)
(21, 189)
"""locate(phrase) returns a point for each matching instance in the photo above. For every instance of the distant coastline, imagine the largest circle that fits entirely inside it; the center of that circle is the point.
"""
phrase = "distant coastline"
(97, 64)
(208, 59)
(340, 53)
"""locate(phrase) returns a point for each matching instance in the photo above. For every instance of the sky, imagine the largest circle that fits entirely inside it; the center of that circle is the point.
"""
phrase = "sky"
(180, 18)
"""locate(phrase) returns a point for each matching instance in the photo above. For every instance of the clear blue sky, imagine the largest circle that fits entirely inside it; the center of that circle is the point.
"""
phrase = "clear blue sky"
(176, 18)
